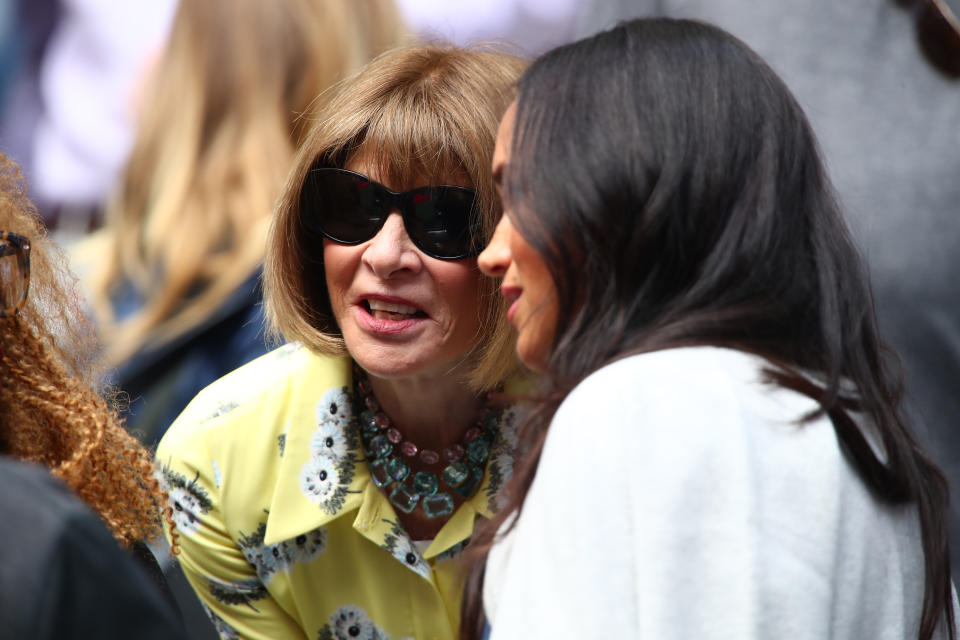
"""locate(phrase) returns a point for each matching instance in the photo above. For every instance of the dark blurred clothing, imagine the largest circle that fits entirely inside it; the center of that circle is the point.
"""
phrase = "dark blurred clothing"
(889, 126)
(162, 379)
(62, 575)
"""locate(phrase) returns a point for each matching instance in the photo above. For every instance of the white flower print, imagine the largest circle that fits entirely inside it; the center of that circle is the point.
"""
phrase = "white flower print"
(188, 500)
(334, 408)
(351, 623)
(500, 468)
(508, 429)
(186, 510)
(319, 479)
(325, 478)
(268, 560)
(504, 464)
(307, 546)
(329, 440)
(399, 545)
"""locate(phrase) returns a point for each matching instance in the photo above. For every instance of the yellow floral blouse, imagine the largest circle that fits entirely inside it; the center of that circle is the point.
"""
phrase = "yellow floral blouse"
(281, 530)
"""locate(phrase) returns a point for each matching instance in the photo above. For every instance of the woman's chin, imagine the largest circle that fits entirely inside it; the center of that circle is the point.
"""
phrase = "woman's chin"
(408, 362)
(532, 353)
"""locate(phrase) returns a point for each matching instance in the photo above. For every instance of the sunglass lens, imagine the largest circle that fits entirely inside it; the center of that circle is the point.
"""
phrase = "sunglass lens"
(342, 206)
(440, 221)
(12, 282)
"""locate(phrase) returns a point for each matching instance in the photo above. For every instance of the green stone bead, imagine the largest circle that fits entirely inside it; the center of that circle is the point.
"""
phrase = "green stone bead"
(437, 506)
(455, 473)
(397, 469)
(426, 484)
(472, 481)
(368, 419)
(380, 447)
(478, 450)
(380, 476)
(404, 498)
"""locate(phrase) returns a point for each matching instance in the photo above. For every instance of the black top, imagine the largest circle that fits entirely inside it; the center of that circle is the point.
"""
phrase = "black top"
(62, 575)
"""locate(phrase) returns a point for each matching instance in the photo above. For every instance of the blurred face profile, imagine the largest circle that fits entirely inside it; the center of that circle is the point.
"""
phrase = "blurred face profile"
(527, 283)
(402, 313)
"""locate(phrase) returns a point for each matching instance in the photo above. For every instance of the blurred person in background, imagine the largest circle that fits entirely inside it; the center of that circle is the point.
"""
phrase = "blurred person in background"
(174, 275)
(75, 68)
(61, 574)
(532, 25)
(880, 80)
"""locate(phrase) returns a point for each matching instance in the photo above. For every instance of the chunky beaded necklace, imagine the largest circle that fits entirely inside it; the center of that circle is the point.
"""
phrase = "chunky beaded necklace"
(388, 452)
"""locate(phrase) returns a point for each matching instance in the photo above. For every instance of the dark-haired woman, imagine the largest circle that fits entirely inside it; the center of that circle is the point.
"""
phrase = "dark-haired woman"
(725, 455)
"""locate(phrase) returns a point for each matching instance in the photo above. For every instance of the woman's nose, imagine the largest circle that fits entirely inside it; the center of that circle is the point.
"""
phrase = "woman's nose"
(391, 250)
(495, 259)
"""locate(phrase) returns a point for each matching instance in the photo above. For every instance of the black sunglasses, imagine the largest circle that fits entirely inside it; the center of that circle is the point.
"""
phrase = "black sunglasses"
(350, 208)
(14, 273)
(938, 32)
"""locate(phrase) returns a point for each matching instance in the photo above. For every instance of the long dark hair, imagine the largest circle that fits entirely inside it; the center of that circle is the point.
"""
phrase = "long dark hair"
(675, 191)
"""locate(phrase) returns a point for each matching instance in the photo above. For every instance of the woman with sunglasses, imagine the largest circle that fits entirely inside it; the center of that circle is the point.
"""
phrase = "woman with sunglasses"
(720, 412)
(322, 490)
(57, 432)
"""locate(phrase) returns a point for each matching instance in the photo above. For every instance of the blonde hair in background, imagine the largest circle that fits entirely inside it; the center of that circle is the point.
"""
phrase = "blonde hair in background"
(216, 139)
(425, 113)
(53, 411)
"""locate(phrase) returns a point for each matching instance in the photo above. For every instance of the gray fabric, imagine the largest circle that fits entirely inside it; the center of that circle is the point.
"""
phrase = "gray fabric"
(889, 126)
(677, 498)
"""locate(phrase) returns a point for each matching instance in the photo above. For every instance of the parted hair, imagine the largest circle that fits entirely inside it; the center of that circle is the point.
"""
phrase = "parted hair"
(674, 189)
(216, 138)
(424, 114)
(52, 412)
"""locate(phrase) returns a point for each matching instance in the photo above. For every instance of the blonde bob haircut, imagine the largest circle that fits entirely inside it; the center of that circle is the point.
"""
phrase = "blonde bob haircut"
(424, 115)
(216, 137)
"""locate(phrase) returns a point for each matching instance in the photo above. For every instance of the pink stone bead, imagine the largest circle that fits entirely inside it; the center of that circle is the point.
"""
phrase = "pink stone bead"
(429, 457)
(408, 449)
(382, 420)
(472, 434)
(453, 453)
(372, 403)
(394, 436)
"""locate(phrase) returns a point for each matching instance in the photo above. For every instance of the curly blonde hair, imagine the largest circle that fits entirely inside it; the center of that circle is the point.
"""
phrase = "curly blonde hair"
(54, 411)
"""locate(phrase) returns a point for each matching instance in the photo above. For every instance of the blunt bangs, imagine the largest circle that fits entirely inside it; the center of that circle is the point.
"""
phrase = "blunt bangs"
(422, 115)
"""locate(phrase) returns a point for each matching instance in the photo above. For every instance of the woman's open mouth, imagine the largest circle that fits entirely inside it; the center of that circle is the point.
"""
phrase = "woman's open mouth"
(383, 310)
